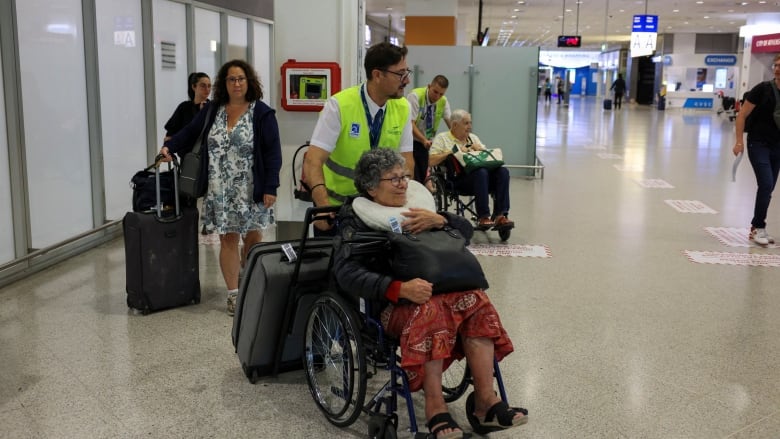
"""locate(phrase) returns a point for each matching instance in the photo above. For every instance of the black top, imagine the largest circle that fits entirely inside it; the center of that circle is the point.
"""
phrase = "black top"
(760, 124)
(183, 115)
(619, 85)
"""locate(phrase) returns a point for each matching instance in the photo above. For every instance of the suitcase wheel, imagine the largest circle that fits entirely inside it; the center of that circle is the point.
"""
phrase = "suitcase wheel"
(250, 373)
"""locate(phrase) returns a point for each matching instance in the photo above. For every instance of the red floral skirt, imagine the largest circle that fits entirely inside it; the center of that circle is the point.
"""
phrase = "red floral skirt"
(430, 331)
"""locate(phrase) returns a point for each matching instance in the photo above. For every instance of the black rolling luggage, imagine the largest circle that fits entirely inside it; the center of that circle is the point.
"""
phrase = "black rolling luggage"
(607, 104)
(274, 299)
(161, 255)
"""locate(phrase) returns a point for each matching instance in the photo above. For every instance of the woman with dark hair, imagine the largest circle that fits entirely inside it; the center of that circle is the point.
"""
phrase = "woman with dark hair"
(434, 329)
(242, 156)
(198, 89)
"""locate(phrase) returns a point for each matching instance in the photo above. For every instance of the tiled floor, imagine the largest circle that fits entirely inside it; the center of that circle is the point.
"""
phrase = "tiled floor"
(618, 333)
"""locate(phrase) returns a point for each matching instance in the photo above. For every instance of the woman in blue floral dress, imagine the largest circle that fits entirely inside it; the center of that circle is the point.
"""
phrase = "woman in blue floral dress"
(243, 159)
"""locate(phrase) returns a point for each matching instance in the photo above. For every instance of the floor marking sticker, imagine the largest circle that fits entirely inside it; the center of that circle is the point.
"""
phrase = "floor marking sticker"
(654, 183)
(629, 168)
(517, 250)
(734, 237)
(727, 258)
(609, 155)
(690, 206)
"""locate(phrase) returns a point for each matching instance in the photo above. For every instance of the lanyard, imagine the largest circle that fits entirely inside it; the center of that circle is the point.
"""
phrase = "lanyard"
(375, 124)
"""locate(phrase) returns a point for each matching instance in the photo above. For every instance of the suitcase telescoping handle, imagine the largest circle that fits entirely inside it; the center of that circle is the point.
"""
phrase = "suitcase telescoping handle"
(312, 214)
(175, 170)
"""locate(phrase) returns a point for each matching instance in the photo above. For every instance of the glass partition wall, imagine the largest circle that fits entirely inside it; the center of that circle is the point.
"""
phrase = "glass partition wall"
(79, 73)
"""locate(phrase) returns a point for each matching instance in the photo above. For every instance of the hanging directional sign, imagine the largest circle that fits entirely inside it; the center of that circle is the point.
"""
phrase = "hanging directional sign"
(644, 33)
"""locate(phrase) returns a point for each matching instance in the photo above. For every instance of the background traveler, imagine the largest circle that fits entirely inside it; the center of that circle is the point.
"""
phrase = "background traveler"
(619, 86)
(763, 140)
(199, 90)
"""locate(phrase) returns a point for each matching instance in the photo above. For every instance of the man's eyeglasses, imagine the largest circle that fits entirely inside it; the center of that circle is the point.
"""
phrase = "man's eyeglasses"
(402, 75)
(236, 79)
(396, 181)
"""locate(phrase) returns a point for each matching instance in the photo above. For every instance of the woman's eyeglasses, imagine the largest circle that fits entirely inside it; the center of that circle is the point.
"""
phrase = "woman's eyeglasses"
(236, 79)
(396, 181)
(402, 75)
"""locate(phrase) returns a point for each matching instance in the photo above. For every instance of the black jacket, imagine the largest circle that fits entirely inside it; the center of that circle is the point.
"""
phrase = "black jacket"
(368, 276)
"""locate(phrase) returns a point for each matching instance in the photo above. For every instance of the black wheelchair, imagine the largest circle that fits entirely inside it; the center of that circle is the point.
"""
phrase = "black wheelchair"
(447, 196)
(345, 345)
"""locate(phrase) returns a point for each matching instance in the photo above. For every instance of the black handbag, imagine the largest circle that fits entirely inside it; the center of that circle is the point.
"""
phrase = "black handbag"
(193, 181)
(438, 256)
(144, 190)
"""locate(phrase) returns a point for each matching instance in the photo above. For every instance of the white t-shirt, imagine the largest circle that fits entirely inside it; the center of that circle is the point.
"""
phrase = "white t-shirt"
(414, 109)
(443, 142)
(326, 132)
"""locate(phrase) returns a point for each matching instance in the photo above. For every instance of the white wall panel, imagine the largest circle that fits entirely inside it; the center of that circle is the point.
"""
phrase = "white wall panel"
(6, 231)
(170, 32)
(51, 59)
(237, 38)
(262, 58)
(207, 42)
(121, 81)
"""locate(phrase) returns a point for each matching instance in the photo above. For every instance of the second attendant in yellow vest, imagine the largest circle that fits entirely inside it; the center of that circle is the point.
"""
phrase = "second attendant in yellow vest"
(428, 106)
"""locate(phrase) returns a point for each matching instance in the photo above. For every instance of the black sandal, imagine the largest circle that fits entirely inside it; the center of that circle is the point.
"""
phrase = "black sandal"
(499, 417)
(443, 421)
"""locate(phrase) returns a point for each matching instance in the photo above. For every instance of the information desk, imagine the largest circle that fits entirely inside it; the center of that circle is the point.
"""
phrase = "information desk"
(696, 100)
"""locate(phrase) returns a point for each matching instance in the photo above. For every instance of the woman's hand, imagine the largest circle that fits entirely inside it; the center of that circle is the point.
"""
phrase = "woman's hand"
(167, 155)
(416, 290)
(738, 148)
(268, 200)
(419, 220)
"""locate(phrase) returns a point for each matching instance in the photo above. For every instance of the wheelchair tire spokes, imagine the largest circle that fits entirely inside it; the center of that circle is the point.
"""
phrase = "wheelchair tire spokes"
(334, 361)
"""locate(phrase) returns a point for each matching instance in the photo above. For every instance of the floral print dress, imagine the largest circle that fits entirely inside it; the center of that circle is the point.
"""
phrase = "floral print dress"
(228, 206)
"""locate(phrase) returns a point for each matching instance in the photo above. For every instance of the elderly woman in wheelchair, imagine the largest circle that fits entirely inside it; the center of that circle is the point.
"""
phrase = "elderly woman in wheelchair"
(434, 327)
(481, 182)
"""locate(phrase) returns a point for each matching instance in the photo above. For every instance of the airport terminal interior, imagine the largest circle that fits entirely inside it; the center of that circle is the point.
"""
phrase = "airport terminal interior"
(645, 312)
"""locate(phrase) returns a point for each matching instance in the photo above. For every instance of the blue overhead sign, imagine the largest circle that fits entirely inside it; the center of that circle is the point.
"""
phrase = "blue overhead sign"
(720, 60)
(645, 23)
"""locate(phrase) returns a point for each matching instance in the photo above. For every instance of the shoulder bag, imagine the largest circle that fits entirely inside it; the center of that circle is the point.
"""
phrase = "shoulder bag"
(485, 158)
(438, 256)
(193, 182)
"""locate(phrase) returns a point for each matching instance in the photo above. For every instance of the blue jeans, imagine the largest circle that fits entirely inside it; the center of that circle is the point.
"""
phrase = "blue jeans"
(481, 183)
(765, 160)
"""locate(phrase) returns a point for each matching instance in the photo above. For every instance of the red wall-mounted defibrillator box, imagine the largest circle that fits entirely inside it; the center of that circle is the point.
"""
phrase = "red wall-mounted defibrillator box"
(307, 85)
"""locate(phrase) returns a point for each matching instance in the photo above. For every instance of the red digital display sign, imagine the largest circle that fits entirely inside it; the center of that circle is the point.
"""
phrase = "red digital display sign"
(569, 40)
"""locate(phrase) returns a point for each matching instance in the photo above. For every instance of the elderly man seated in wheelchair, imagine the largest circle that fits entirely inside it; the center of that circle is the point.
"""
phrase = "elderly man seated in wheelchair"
(480, 182)
(436, 322)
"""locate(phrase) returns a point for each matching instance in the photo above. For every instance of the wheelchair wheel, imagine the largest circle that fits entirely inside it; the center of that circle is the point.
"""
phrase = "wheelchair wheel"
(504, 234)
(455, 380)
(334, 360)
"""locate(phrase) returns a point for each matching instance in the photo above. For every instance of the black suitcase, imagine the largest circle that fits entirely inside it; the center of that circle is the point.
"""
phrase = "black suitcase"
(607, 104)
(161, 256)
(271, 309)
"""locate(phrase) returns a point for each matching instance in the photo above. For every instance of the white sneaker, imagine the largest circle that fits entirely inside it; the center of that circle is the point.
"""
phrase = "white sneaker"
(760, 237)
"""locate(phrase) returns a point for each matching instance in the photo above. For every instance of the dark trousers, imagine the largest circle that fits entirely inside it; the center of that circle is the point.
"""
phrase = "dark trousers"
(765, 160)
(618, 100)
(481, 183)
(420, 154)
